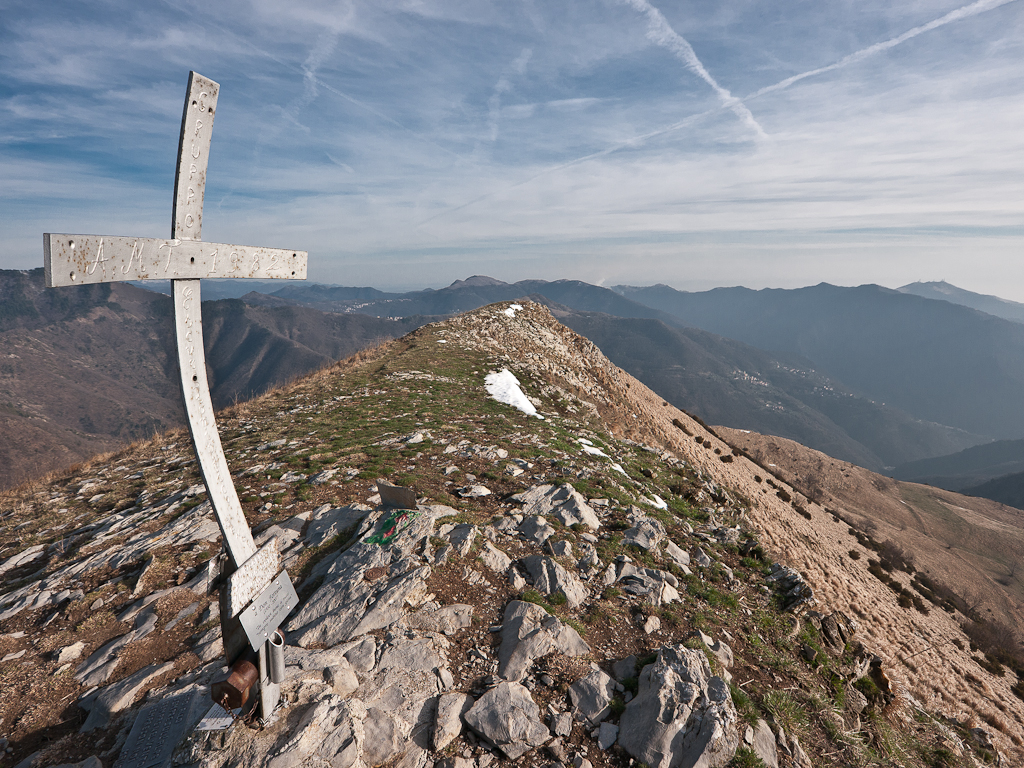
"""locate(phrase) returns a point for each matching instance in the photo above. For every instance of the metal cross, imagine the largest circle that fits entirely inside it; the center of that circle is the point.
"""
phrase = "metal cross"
(185, 260)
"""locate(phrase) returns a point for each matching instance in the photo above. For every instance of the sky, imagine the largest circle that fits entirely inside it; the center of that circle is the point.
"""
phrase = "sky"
(406, 145)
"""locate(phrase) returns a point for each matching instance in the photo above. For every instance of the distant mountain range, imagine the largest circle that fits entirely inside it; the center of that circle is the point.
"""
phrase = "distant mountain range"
(992, 305)
(939, 377)
(965, 469)
(85, 369)
(869, 375)
(938, 361)
(728, 382)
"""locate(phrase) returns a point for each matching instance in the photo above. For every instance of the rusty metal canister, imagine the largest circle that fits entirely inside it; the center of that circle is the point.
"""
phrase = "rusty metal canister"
(236, 685)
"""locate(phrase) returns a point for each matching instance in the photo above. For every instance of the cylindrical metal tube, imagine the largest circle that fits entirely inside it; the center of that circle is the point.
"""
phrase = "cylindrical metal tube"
(276, 647)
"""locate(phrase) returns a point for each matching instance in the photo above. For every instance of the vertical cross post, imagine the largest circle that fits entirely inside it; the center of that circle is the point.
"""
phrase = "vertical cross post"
(252, 599)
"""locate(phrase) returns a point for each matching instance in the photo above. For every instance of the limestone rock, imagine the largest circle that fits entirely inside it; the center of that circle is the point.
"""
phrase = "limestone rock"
(560, 548)
(107, 701)
(382, 739)
(548, 577)
(341, 677)
(508, 717)
(448, 725)
(447, 619)
(721, 651)
(368, 585)
(327, 522)
(474, 491)
(332, 731)
(679, 556)
(494, 558)
(796, 592)
(529, 633)
(624, 668)
(536, 529)
(681, 715)
(563, 502)
(462, 537)
(658, 587)
(70, 653)
(647, 533)
(606, 735)
(762, 741)
(592, 695)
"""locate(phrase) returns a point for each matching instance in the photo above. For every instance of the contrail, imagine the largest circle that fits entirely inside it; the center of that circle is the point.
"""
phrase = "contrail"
(960, 13)
(966, 11)
(660, 32)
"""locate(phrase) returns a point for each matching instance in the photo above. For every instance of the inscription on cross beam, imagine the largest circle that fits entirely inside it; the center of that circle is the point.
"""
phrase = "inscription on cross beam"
(185, 260)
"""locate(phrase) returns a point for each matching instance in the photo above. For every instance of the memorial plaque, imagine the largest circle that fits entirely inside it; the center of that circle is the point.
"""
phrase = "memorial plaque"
(269, 610)
(252, 577)
(158, 728)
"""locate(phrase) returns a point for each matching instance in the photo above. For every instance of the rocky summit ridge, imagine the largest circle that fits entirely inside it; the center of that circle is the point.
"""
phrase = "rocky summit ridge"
(605, 583)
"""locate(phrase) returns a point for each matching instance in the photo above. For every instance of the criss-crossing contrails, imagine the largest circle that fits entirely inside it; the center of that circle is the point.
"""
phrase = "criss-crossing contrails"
(732, 102)
(660, 32)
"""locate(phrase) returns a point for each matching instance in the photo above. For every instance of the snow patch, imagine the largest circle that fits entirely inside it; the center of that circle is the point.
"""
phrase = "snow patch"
(504, 387)
(657, 503)
(618, 468)
(511, 309)
(595, 451)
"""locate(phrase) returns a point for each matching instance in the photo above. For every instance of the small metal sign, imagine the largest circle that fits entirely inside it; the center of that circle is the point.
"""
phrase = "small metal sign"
(252, 577)
(217, 719)
(396, 496)
(269, 610)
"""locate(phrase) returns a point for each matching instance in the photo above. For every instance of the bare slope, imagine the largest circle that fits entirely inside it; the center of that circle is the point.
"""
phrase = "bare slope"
(85, 369)
(121, 547)
(973, 545)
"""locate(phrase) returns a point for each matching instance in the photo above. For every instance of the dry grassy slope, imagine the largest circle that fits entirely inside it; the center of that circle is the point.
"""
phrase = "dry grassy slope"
(921, 650)
(969, 543)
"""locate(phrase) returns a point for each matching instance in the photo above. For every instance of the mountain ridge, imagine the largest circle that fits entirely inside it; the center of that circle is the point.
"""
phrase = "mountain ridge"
(389, 597)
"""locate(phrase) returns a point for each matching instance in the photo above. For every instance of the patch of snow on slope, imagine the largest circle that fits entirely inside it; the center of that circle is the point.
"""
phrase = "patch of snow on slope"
(511, 309)
(658, 503)
(504, 387)
(595, 451)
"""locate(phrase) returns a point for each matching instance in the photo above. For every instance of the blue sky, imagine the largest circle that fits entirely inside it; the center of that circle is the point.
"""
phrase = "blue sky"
(410, 144)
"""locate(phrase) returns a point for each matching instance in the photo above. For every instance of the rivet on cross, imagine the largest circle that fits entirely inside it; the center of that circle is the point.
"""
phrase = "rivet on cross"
(185, 260)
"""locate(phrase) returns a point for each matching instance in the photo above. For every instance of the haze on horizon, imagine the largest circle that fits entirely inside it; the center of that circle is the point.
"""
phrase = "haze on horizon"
(411, 144)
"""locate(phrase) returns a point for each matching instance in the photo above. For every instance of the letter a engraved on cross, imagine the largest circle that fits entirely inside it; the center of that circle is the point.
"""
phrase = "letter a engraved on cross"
(185, 260)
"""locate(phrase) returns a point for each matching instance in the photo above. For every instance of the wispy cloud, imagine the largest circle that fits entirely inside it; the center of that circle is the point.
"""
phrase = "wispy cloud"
(416, 142)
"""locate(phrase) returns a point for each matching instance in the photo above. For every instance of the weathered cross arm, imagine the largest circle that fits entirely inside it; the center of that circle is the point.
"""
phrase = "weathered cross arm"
(84, 259)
